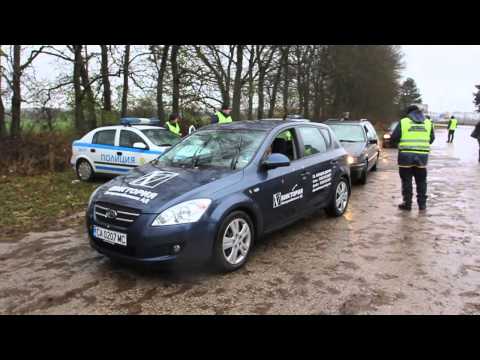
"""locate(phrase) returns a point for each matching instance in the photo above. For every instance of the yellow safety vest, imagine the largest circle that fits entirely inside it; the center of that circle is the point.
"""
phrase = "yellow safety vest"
(222, 119)
(415, 137)
(453, 124)
(174, 128)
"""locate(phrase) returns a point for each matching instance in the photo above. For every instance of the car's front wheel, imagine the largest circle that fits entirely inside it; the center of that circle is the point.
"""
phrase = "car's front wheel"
(339, 200)
(84, 170)
(234, 241)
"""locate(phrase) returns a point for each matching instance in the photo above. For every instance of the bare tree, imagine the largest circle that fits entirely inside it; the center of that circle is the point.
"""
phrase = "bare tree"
(175, 79)
(107, 92)
(237, 85)
(126, 68)
(17, 71)
(3, 127)
(160, 59)
(264, 58)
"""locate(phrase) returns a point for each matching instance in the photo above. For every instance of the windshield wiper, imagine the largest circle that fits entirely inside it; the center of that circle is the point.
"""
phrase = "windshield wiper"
(349, 141)
(237, 155)
(194, 158)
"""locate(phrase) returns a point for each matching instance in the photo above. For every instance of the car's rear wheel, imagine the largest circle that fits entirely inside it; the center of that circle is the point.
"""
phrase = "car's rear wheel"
(84, 170)
(234, 241)
(374, 167)
(339, 201)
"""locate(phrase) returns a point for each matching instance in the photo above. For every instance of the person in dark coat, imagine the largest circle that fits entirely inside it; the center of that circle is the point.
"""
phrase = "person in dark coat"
(413, 134)
(476, 135)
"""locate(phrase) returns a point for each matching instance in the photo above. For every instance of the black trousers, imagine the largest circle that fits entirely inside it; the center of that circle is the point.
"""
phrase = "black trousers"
(420, 175)
(478, 149)
(451, 133)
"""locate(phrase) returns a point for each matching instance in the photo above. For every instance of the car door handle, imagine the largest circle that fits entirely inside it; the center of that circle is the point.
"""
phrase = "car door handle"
(119, 153)
(305, 173)
(92, 150)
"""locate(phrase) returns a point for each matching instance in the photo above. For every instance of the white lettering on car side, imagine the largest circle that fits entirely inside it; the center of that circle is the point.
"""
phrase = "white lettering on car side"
(280, 199)
(321, 180)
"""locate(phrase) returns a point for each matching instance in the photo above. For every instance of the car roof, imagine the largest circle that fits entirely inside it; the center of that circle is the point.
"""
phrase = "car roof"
(346, 122)
(262, 125)
(139, 127)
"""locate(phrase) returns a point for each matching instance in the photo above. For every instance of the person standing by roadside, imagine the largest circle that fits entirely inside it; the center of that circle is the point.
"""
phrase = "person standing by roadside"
(413, 134)
(476, 135)
(173, 124)
(452, 126)
(222, 116)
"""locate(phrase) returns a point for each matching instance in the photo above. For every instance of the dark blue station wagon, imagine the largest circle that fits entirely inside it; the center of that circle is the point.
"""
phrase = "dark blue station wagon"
(211, 196)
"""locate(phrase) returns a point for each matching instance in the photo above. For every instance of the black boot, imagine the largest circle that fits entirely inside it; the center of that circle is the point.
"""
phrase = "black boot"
(405, 206)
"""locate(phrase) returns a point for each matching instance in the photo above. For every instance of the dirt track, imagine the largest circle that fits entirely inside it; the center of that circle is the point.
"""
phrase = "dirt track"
(374, 259)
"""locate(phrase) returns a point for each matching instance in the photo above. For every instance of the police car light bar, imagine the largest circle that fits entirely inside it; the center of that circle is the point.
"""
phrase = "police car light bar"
(129, 121)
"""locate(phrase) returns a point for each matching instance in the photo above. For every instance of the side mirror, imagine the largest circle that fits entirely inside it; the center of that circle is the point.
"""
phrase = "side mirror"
(373, 141)
(276, 160)
(140, 145)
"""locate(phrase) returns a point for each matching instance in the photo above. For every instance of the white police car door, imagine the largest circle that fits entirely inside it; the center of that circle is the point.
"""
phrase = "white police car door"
(137, 157)
(317, 165)
(104, 153)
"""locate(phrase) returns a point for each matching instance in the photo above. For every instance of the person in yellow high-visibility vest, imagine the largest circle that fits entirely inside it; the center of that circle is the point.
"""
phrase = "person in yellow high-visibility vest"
(222, 116)
(173, 124)
(413, 134)
(452, 126)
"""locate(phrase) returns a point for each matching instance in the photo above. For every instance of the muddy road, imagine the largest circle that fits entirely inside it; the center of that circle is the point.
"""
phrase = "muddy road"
(373, 260)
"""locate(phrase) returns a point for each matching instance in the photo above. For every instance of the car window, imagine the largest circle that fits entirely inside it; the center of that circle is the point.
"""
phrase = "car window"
(371, 134)
(326, 135)
(313, 141)
(128, 138)
(214, 148)
(104, 137)
(161, 137)
(284, 143)
(348, 133)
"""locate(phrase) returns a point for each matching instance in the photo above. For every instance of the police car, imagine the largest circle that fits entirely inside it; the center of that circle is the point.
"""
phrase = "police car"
(117, 149)
(214, 194)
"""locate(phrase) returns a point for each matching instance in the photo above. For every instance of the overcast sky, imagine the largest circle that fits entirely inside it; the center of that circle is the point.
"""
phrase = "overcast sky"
(446, 75)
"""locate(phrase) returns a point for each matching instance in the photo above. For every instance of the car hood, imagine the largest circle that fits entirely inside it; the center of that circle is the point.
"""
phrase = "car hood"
(151, 188)
(353, 149)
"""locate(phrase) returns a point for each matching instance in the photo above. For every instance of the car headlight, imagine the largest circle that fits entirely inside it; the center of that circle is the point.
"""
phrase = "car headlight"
(92, 196)
(186, 212)
(386, 136)
(350, 160)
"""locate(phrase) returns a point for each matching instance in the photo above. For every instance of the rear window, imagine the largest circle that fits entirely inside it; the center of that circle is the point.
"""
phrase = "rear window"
(348, 133)
(104, 137)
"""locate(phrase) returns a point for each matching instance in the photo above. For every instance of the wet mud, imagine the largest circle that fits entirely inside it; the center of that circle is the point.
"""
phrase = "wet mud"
(373, 260)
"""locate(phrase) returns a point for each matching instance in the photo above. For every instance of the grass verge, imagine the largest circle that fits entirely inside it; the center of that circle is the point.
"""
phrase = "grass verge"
(33, 203)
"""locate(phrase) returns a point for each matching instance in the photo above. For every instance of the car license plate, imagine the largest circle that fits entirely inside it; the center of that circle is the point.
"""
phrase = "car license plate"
(112, 237)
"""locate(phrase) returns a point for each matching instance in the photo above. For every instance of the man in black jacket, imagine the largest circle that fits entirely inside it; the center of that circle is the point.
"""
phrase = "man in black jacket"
(413, 134)
(476, 135)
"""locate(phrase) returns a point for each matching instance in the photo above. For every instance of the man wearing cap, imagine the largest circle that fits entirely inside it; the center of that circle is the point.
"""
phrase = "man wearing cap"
(172, 124)
(222, 116)
(413, 134)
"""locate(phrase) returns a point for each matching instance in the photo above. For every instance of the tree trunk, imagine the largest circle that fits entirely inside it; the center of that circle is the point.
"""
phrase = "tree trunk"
(16, 96)
(87, 88)
(273, 98)
(175, 79)
(251, 90)
(261, 93)
(126, 66)
(237, 85)
(286, 78)
(107, 92)
(77, 69)
(3, 126)
(161, 75)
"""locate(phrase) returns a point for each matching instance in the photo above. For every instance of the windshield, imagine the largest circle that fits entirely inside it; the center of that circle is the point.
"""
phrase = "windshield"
(348, 133)
(161, 137)
(393, 126)
(215, 148)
